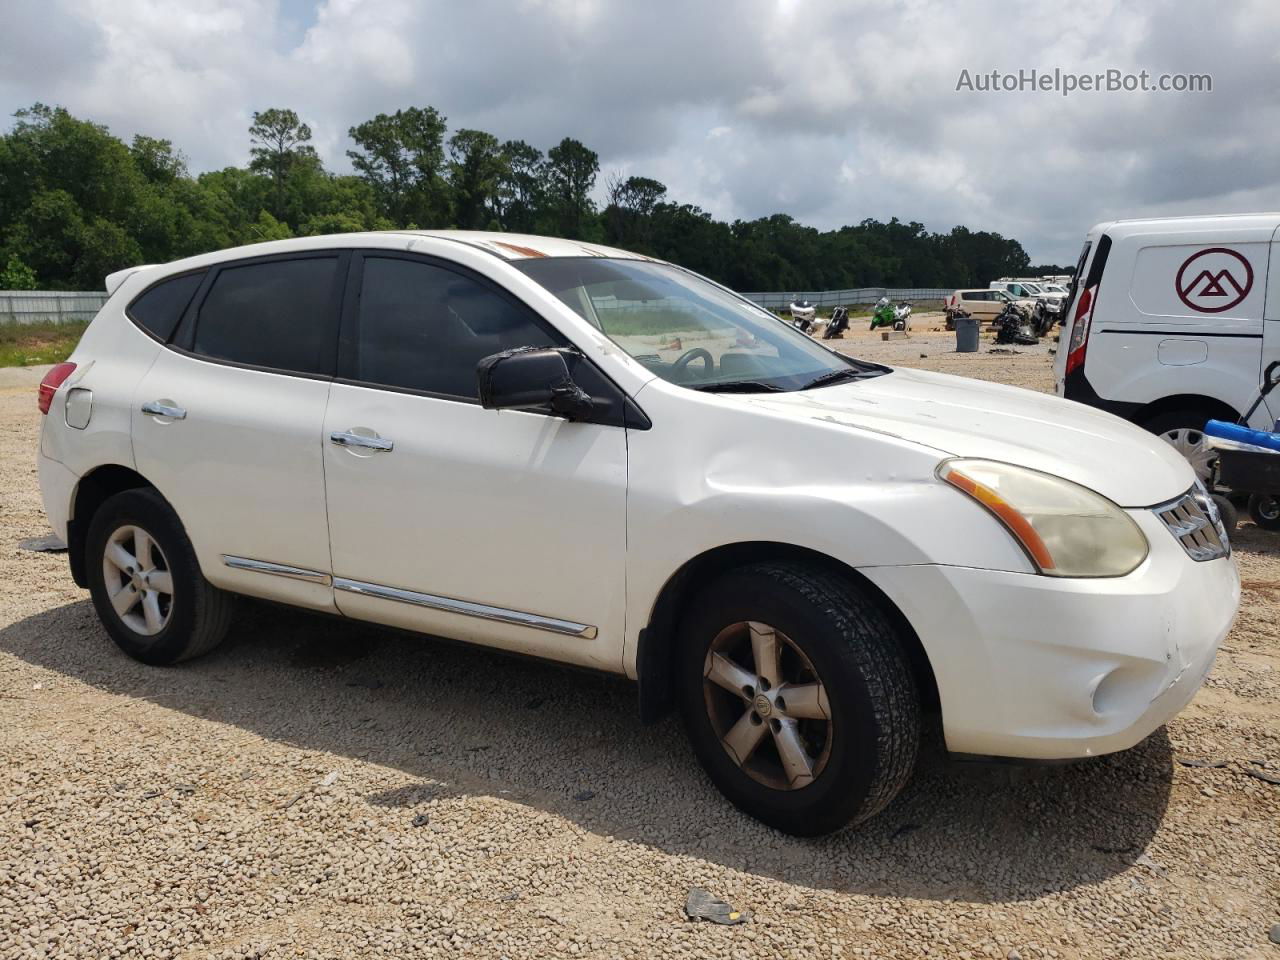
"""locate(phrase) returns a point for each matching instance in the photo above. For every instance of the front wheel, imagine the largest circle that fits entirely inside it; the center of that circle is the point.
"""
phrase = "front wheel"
(146, 584)
(797, 697)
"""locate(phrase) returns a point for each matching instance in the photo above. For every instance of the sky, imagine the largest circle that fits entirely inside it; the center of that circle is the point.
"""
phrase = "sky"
(829, 110)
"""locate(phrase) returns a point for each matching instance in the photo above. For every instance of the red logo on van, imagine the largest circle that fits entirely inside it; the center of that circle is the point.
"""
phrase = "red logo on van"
(1214, 280)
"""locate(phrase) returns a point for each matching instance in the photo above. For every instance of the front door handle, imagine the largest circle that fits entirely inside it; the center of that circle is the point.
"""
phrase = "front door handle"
(349, 439)
(157, 408)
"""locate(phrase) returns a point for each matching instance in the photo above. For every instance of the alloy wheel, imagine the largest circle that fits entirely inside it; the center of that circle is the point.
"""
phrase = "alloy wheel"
(767, 705)
(1194, 446)
(138, 581)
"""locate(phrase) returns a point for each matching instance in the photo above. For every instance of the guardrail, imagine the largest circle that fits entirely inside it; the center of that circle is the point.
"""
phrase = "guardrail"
(49, 306)
(848, 298)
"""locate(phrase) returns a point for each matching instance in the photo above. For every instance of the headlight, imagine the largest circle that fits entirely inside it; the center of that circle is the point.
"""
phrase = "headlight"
(1067, 530)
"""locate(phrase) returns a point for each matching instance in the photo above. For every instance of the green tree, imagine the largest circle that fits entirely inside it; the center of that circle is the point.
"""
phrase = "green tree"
(280, 145)
(16, 275)
(571, 170)
(520, 187)
(402, 156)
(157, 161)
(628, 217)
(475, 169)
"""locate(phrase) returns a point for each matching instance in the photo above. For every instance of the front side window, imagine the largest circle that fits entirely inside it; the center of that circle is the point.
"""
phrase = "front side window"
(423, 327)
(278, 314)
(686, 329)
(159, 309)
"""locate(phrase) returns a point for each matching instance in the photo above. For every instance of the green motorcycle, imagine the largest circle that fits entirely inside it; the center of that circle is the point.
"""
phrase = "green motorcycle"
(883, 314)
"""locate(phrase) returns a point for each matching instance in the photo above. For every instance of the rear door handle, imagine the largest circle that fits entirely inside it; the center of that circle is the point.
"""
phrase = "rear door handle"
(155, 408)
(349, 439)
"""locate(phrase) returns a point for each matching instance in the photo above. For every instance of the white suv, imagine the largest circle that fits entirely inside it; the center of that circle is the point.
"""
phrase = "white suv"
(569, 451)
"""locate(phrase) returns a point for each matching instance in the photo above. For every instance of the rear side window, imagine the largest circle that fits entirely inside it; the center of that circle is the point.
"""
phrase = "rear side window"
(422, 327)
(280, 314)
(159, 309)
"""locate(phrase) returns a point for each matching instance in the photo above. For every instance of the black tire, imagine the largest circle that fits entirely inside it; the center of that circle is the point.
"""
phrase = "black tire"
(198, 614)
(1227, 510)
(1175, 420)
(1264, 510)
(852, 647)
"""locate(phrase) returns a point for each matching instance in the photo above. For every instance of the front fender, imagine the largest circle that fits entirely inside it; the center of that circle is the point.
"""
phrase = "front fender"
(863, 499)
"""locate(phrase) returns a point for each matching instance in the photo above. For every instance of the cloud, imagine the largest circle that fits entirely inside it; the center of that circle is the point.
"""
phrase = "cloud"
(830, 111)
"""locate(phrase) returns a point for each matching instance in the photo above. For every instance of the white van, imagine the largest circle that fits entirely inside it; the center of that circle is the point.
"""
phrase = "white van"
(1171, 322)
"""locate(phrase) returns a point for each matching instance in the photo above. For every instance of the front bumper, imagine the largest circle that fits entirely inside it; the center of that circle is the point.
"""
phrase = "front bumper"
(1045, 668)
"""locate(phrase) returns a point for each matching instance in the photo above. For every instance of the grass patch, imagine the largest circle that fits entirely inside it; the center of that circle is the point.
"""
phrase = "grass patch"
(29, 344)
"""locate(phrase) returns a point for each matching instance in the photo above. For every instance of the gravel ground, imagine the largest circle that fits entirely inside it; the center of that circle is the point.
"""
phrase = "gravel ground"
(322, 789)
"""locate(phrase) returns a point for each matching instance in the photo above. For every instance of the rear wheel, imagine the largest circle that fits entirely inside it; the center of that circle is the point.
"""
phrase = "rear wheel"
(146, 584)
(797, 697)
(1184, 431)
(1264, 510)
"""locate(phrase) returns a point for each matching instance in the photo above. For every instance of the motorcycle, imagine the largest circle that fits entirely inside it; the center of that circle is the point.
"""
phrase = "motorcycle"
(803, 314)
(902, 315)
(838, 324)
(882, 316)
(1047, 313)
(1014, 325)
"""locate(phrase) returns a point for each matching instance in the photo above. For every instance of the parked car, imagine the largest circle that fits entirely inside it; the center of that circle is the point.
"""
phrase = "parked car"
(480, 436)
(983, 305)
(1170, 325)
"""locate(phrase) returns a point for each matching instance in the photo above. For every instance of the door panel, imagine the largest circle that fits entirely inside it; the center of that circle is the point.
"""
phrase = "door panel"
(513, 510)
(242, 469)
(521, 513)
(227, 422)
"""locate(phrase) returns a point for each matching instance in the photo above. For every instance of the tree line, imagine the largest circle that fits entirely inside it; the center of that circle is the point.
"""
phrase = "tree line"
(77, 203)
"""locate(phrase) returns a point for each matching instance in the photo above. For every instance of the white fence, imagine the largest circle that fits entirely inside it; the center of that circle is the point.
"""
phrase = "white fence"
(55, 306)
(848, 298)
(49, 306)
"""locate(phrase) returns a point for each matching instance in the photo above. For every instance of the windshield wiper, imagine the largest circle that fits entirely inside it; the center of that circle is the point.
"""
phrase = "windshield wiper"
(838, 376)
(738, 386)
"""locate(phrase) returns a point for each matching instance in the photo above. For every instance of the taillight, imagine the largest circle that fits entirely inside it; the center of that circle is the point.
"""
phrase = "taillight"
(51, 382)
(1079, 342)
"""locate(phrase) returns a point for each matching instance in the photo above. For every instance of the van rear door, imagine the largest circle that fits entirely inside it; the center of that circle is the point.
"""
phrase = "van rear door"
(1271, 331)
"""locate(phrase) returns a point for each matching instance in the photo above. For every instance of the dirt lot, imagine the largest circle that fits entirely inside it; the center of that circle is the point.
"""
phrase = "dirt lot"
(321, 789)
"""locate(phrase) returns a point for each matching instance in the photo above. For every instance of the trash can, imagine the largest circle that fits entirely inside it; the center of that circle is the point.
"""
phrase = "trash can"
(966, 334)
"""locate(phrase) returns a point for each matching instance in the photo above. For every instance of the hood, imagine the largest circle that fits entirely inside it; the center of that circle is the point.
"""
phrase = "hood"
(961, 417)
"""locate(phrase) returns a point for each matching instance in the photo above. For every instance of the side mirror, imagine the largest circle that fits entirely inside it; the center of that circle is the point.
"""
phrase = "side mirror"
(528, 378)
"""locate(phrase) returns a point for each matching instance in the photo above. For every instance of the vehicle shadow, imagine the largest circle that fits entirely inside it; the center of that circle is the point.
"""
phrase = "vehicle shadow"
(469, 721)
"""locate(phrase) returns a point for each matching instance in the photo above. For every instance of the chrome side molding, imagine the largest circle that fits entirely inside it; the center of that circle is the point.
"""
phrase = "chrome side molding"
(468, 608)
(276, 569)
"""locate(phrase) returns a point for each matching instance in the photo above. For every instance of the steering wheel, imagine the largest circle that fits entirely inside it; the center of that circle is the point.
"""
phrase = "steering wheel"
(690, 355)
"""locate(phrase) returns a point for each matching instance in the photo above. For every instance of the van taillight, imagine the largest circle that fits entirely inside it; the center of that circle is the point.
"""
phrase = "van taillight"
(1079, 342)
(50, 384)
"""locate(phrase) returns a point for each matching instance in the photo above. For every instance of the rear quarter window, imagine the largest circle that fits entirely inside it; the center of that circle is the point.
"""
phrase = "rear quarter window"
(159, 308)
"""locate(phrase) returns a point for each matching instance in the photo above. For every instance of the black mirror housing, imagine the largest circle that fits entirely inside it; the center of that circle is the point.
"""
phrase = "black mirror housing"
(531, 378)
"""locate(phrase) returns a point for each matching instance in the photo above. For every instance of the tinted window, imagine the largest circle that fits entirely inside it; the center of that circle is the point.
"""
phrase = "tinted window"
(279, 314)
(160, 308)
(425, 328)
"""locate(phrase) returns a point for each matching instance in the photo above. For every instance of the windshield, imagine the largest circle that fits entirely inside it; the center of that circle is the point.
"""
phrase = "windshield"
(1054, 288)
(688, 330)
